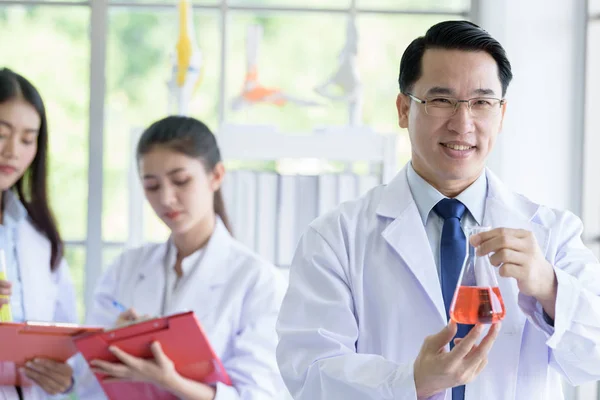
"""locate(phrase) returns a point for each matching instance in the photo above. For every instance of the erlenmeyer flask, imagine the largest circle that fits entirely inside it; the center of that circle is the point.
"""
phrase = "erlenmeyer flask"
(477, 297)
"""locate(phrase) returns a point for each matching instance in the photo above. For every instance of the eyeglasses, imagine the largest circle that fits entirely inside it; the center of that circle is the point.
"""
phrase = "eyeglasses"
(480, 107)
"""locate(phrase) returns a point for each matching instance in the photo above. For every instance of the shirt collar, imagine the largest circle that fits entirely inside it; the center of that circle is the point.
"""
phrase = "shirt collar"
(426, 196)
(188, 263)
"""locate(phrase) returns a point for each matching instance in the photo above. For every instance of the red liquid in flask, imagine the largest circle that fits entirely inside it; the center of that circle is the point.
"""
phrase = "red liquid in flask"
(474, 305)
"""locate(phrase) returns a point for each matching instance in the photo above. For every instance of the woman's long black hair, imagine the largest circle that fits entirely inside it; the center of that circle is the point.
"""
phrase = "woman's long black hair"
(32, 186)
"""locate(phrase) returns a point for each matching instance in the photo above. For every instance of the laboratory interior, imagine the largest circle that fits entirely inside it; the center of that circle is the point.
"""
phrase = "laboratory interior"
(259, 162)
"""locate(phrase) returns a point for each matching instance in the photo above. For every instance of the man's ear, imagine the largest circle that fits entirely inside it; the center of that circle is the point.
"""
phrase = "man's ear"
(502, 119)
(402, 106)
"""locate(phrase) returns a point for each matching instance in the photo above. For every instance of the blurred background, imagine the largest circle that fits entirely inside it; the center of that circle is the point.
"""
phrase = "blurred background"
(103, 66)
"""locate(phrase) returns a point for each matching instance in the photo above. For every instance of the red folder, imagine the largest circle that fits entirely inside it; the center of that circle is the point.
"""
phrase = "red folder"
(22, 342)
(182, 339)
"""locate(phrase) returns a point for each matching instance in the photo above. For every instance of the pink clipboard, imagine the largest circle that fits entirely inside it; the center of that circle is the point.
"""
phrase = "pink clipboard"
(24, 341)
(182, 339)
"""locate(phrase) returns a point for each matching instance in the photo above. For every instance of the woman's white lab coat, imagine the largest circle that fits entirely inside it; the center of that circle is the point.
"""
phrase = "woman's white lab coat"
(47, 295)
(364, 293)
(235, 295)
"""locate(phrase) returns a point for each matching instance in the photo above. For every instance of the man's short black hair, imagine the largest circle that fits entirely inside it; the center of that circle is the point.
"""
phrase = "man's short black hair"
(452, 35)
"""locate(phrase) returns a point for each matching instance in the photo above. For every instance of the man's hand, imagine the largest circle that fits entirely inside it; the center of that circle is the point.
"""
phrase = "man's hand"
(436, 369)
(518, 255)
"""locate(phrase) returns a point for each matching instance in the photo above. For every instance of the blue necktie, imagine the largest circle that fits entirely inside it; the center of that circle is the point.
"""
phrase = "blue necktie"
(452, 255)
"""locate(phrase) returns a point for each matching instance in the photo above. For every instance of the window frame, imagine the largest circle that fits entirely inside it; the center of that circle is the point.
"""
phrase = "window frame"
(99, 16)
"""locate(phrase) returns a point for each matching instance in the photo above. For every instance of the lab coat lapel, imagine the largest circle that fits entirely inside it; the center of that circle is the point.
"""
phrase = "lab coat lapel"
(147, 293)
(504, 208)
(209, 274)
(507, 209)
(406, 235)
(39, 290)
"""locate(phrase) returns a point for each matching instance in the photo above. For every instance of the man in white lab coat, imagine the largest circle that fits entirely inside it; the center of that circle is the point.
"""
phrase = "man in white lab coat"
(366, 312)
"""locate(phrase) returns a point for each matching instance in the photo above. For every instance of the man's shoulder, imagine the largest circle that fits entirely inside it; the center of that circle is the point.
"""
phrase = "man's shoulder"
(350, 215)
(545, 215)
(519, 203)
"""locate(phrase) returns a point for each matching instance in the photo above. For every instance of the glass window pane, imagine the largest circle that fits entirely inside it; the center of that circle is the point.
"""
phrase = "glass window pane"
(74, 1)
(75, 256)
(52, 50)
(110, 254)
(593, 81)
(292, 56)
(293, 3)
(140, 46)
(457, 6)
(167, 2)
(379, 62)
(591, 187)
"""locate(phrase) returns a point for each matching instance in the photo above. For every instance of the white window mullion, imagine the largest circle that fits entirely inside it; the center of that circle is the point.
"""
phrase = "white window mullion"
(135, 235)
(223, 66)
(98, 36)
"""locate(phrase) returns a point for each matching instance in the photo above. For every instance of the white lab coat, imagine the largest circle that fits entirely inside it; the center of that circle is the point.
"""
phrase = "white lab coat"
(364, 293)
(47, 295)
(235, 295)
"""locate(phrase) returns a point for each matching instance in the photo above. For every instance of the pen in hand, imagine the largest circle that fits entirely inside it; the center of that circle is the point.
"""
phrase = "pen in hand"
(119, 306)
(126, 315)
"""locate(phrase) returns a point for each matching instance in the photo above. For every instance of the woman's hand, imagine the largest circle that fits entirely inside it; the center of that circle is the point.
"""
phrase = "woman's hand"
(129, 317)
(52, 376)
(5, 290)
(160, 370)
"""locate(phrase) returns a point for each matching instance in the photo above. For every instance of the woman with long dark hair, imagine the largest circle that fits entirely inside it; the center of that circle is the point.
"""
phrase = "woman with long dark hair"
(37, 285)
(234, 294)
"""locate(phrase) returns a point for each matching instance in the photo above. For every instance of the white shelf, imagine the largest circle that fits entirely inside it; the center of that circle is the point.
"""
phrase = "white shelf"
(264, 143)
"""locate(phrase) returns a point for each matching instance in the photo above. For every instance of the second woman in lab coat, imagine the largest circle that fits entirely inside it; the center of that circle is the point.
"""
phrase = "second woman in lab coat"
(38, 286)
(234, 294)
